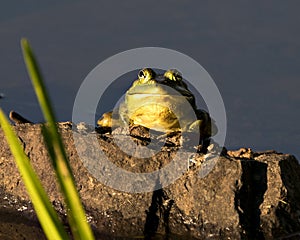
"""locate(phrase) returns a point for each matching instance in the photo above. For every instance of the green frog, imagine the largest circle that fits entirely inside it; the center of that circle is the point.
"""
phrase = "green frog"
(164, 103)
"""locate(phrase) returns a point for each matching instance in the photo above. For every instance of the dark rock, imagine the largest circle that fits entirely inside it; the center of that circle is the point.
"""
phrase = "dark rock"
(245, 195)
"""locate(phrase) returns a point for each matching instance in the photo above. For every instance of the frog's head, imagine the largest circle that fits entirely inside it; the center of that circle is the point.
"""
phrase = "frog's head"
(157, 100)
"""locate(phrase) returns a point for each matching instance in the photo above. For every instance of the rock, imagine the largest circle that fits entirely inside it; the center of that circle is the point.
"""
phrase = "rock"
(17, 219)
(242, 195)
(241, 153)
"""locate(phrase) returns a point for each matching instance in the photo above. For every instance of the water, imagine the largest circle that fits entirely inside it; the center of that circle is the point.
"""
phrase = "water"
(250, 48)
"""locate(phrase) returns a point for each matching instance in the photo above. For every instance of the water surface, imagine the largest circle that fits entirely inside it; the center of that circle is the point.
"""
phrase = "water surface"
(250, 48)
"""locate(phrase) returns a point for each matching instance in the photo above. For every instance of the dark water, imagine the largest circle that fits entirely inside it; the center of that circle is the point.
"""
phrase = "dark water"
(250, 48)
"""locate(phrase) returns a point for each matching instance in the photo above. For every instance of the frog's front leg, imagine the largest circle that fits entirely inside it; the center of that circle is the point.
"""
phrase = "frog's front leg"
(106, 120)
(112, 119)
(206, 126)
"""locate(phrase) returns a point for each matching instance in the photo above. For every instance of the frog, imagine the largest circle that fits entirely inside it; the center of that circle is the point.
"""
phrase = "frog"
(161, 102)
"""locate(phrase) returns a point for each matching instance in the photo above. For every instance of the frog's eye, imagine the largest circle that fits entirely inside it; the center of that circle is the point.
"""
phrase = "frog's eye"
(173, 75)
(146, 74)
(141, 74)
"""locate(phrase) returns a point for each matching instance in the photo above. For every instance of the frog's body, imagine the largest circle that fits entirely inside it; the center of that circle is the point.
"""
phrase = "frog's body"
(162, 103)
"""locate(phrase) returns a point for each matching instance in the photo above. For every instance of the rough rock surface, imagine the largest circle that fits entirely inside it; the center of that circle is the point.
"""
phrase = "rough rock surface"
(246, 195)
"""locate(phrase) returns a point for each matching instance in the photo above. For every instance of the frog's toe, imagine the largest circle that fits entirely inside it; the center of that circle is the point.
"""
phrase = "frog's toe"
(105, 121)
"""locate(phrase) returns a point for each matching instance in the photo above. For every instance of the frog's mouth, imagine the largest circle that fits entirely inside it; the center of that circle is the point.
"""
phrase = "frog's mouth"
(152, 94)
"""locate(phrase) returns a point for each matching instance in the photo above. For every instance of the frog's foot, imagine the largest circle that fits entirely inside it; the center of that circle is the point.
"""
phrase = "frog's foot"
(104, 124)
(17, 118)
(201, 127)
(105, 120)
(203, 145)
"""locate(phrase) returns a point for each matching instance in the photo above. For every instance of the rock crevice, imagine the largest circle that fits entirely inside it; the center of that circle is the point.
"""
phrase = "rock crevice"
(250, 196)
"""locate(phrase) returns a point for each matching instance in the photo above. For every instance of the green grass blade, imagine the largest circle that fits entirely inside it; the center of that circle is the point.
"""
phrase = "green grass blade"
(44, 210)
(79, 226)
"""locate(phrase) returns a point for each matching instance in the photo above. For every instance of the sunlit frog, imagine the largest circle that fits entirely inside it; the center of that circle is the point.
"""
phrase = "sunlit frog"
(161, 102)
